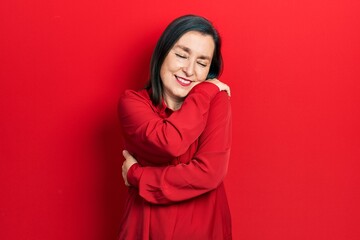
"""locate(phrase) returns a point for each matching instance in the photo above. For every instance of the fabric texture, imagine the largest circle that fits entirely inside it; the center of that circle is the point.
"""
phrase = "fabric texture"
(177, 189)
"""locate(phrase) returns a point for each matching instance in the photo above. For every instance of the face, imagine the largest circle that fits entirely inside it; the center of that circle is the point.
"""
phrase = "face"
(186, 65)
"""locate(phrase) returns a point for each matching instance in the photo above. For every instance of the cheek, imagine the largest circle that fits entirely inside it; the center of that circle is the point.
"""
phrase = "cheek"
(172, 64)
(165, 70)
(202, 74)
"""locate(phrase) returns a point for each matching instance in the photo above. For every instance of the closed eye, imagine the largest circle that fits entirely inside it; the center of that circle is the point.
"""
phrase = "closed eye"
(181, 56)
(202, 64)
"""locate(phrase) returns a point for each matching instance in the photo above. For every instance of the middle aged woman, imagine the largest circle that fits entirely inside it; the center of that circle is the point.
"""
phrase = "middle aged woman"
(178, 132)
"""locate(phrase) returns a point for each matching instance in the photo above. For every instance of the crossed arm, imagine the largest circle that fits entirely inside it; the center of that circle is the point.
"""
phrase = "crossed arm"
(169, 136)
(204, 172)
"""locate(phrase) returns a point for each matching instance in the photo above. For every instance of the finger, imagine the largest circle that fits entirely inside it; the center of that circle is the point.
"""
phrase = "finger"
(125, 153)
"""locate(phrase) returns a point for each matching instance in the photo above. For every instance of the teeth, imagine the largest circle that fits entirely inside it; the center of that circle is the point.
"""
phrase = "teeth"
(183, 80)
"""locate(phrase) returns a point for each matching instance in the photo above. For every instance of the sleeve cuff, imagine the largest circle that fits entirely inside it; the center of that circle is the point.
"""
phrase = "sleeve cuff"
(134, 174)
(209, 89)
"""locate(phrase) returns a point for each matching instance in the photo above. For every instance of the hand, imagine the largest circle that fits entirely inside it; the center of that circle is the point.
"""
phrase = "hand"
(129, 161)
(222, 86)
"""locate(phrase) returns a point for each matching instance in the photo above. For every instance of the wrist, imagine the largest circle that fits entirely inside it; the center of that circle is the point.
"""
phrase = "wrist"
(133, 175)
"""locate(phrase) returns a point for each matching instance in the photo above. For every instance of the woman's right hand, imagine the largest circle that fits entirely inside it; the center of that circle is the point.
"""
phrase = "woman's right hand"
(222, 86)
(129, 161)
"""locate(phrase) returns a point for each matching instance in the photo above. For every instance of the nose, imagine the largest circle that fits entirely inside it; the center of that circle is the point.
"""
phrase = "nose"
(188, 69)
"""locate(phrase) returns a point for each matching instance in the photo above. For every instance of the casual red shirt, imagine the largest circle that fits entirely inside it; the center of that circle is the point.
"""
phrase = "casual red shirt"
(177, 188)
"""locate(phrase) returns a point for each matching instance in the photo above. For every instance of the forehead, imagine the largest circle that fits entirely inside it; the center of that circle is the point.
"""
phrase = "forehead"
(197, 43)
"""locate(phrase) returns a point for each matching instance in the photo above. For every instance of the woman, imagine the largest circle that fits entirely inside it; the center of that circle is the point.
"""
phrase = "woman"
(178, 132)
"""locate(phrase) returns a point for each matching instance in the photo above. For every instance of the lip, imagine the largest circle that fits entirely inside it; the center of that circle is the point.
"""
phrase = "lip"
(183, 81)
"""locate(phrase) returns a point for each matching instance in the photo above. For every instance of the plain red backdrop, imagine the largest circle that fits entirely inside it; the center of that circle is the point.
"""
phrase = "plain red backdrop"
(294, 71)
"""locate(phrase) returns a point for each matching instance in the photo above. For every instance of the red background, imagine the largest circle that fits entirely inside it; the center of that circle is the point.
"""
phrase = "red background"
(294, 71)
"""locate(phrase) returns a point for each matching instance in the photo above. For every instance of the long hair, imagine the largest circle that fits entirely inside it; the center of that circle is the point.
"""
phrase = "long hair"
(169, 37)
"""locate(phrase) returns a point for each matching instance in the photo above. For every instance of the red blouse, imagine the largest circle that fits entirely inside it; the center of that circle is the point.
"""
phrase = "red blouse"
(177, 188)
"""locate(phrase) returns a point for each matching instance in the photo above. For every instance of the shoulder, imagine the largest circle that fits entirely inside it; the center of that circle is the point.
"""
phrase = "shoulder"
(133, 99)
(135, 96)
(132, 94)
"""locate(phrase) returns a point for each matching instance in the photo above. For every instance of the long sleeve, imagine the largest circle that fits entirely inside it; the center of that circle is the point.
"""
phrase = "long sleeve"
(163, 185)
(149, 134)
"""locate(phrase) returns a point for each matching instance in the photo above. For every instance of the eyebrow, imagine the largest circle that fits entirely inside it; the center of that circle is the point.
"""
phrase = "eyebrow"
(188, 50)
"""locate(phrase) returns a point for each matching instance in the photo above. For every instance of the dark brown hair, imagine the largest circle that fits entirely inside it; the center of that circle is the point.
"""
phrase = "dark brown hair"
(169, 37)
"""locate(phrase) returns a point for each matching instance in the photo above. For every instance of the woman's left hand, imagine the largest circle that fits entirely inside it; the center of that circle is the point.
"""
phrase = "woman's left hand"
(129, 161)
(222, 86)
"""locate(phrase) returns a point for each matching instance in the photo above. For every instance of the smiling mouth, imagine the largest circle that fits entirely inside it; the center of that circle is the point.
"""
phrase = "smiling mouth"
(183, 81)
